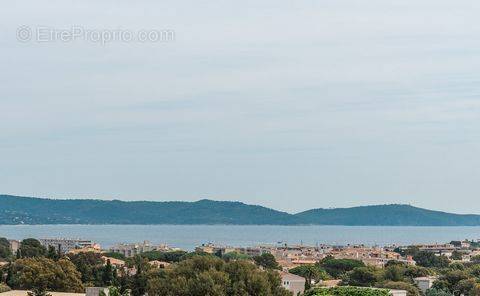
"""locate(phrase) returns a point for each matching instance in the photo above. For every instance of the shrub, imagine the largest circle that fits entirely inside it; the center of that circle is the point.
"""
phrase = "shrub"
(347, 291)
(4, 288)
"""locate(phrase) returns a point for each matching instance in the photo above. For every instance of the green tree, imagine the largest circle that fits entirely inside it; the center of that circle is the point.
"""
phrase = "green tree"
(30, 273)
(456, 255)
(438, 292)
(429, 259)
(266, 260)
(347, 291)
(311, 272)
(451, 279)
(52, 253)
(39, 286)
(338, 267)
(108, 274)
(413, 271)
(114, 291)
(31, 247)
(116, 255)
(394, 273)
(171, 256)
(206, 275)
(411, 289)
(235, 256)
(362, 276)
(90, 266)
(5, 251)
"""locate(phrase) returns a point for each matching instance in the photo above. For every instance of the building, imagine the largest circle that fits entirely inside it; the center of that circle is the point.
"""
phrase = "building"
(64, 245)
(131, 250)
(398, 292)
(159, 264)
(14, 245)
(114, 261)
(293, 283)
(424, 283)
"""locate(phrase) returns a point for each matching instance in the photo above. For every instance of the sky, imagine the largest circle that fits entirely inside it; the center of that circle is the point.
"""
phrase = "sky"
(288, 104)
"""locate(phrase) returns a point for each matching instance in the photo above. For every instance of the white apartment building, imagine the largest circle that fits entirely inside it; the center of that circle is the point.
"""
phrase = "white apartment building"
(131, 250)
(65, 245)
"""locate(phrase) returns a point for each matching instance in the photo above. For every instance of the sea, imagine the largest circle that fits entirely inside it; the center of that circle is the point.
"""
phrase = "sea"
(187, 237)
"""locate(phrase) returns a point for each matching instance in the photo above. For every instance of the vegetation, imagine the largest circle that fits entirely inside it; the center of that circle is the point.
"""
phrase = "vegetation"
(311, 272)
(429, 259)
(172, 256)
(115, 255)
(5, 252)
(39, 270)
(205, 275)
(44, 274)
(338, 267)
(266, 260)
(30, 248)
(27, 210)
(4, 288)
(347, 291)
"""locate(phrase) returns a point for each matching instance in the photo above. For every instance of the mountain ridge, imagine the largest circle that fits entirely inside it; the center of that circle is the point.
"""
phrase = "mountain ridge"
(32, 210)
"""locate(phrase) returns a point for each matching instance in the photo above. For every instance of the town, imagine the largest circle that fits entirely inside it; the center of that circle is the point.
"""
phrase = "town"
(80, 266)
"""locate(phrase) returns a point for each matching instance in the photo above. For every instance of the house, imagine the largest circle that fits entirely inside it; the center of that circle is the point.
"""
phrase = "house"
(398, 292)
(159, 264)
(424, 283)
(293, 283)
(114, 261)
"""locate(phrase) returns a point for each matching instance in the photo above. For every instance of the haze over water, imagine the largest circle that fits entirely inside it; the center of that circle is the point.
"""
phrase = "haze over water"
(189, 236)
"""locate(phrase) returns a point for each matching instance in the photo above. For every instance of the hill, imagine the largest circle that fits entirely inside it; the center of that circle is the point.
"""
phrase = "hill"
(390, 215)
(28, 210)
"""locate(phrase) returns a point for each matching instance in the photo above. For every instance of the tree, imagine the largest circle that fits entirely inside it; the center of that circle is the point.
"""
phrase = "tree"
(39, 286)
(338, 267)
(90, 266)
(206, 275)
(108, 275)
(347, 291)
(395, 273)
(52, 253)
(451, 279)
(456, 255)
(437, 292)
(114, 291)
(115, 255)
(235, 256)
(362, 276)
(30, 273)
(171, 256)
(475, 259)
(266, 260)
(5, 251)
(413, 271)
(411, 289)
(310, 272)
(31, 247)
(429, 259)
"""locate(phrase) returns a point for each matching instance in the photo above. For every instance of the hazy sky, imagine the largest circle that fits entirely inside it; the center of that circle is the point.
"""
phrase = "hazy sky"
(287, 104)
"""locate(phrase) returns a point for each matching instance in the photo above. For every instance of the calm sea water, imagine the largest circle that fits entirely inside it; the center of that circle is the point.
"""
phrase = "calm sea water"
(189, 236)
